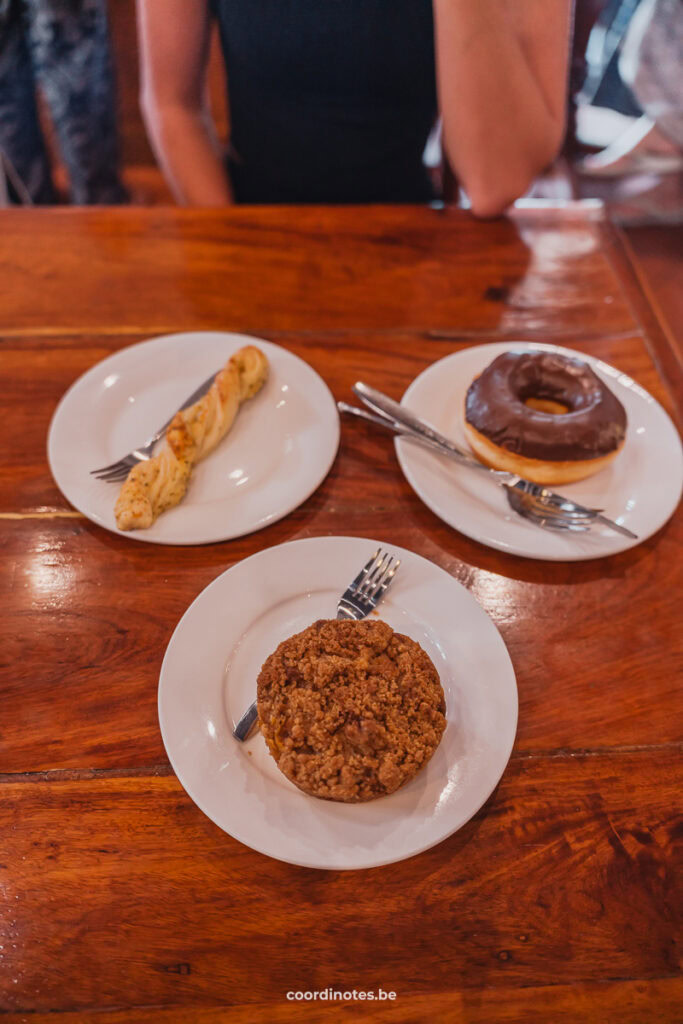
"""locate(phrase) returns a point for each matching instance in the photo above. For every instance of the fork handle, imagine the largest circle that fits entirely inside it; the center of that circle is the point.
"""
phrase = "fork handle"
(617, 527)
(401, 420)
(246, 723)
(437, 443)
(190, 400)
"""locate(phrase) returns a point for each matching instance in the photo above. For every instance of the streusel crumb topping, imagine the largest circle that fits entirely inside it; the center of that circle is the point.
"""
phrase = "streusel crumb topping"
(350, 710)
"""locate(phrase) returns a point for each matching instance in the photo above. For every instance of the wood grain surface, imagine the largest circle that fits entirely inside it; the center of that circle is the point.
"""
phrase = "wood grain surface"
(209, 920)
(308, 268)
(656, 254)
(120, 900)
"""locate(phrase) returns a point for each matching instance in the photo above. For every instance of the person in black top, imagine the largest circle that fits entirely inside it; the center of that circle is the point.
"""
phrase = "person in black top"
(63, 48)
(333, 100)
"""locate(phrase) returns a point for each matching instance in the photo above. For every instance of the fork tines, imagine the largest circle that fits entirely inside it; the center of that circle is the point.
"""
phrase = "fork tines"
(549, 499)
(375, 576)
(118, 471)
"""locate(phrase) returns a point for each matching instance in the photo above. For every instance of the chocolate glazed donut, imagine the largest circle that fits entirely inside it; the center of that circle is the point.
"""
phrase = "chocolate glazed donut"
(543, 415)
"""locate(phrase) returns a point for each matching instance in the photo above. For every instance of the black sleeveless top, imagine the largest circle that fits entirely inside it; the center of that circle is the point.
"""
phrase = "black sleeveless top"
(331, 101)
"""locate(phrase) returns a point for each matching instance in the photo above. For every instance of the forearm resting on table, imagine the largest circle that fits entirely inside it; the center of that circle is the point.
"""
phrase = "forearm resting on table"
(503, 116)
(188, 154)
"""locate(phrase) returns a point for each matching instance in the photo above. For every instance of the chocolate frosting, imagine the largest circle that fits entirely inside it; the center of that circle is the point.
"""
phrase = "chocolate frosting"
(594, 425)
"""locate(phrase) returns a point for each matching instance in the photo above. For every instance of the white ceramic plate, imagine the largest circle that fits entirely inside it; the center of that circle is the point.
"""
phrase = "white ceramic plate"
(208, 678)
(640, 489)
(278, 451)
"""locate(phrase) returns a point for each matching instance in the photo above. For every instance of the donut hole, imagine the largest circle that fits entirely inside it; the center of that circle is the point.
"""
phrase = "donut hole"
(544, 389)
(547, 405)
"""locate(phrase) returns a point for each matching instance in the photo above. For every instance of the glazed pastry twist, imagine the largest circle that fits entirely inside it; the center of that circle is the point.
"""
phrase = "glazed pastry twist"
(159, 483)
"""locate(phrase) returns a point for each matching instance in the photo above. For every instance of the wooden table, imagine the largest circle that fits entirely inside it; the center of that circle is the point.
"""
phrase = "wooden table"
(120, 900)
(657, 254)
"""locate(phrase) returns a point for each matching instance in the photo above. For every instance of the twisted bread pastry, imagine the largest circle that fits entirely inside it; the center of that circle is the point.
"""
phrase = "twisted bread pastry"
(159, 483)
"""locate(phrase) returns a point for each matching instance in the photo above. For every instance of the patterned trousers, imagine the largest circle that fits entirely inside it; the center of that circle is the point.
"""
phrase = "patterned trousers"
(62, 48)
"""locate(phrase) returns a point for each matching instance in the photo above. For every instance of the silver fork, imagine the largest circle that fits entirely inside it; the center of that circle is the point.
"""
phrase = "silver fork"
(545, 507)
(546, 515)
(358, 600)
(120, 469)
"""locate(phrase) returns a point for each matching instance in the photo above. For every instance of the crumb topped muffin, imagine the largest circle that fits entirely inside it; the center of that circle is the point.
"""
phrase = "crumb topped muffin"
(350, 710)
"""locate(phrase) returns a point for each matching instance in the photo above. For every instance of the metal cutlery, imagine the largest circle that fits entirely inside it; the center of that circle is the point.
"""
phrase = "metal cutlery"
(539, 504)
(119, 470)
(360, 598)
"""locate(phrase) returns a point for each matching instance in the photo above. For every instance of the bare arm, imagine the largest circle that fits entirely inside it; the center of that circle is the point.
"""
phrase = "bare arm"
(174, 43)
(502, 80)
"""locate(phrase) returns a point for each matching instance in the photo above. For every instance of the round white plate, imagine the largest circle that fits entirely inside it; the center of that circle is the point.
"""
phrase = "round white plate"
(208, 679)
(640, 489)
(278, 451)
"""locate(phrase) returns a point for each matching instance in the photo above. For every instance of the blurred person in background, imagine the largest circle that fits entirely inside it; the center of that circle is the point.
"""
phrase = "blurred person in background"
(334, 101)
(62, 47)
(638, 71)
